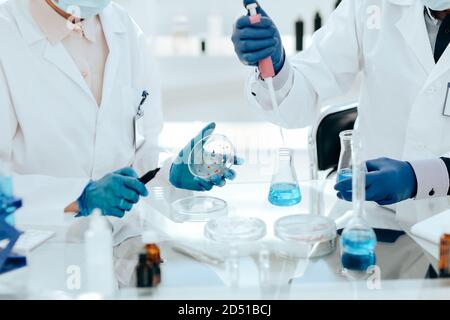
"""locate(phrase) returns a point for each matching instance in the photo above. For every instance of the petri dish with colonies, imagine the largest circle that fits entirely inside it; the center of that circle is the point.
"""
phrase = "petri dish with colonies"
(213, 155)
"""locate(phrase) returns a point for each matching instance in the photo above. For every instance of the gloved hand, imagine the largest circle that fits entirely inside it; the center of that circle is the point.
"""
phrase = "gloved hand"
(182, 178)
(114, 194)
(255, 42)
(388, 182)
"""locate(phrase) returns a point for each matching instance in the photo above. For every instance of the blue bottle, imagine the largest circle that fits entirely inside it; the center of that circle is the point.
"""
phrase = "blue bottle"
(284, 190)
(358, 243)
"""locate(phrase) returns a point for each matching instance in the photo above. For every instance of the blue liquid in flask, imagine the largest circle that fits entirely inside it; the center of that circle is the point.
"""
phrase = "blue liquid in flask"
(344, 174)
(358, 249)
(285, 194)
(6, 189)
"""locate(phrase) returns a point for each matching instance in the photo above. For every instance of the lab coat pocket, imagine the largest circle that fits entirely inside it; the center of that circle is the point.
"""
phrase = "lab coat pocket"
(131, 100)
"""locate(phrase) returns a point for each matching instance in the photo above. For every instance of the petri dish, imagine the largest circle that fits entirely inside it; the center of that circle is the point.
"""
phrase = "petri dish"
(306, 236)
(198, 209)
(234, 229)
(211, 156)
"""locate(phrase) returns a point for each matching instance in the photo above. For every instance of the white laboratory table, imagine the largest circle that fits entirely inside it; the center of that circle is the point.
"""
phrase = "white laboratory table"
(55, 270)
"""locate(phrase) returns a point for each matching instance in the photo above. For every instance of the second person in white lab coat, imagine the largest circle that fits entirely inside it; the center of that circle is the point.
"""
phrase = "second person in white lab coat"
(400, 47)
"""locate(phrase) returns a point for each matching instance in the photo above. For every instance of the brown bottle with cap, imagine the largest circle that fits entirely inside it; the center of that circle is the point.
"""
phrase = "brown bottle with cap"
(444, 261)
(153, 256)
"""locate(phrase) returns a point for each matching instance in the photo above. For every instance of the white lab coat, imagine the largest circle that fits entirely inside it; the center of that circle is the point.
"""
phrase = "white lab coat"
(50, 124)
(403, 90)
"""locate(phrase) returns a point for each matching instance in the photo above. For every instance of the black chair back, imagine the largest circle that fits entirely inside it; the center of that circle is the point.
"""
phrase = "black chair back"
(327, 138)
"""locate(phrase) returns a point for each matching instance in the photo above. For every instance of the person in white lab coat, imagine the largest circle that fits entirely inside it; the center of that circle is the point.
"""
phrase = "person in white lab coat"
(74, 80)
(400, 48)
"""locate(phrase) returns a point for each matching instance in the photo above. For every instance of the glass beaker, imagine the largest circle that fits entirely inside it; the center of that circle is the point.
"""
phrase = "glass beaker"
(358, 240)
(345, 159)
(284, 190)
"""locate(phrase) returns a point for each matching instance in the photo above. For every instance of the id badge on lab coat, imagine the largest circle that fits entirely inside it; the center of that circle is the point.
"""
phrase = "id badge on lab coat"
(139, 137)
(446, 111)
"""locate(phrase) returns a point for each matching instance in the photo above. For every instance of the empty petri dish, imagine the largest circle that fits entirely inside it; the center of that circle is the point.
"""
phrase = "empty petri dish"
(211, 156)
(306, 236)
(198, 209)
(231, 229)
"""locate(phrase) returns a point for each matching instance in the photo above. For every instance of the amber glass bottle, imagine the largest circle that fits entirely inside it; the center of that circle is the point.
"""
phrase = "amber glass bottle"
(153, 256)
(444, 261)
(154, 259)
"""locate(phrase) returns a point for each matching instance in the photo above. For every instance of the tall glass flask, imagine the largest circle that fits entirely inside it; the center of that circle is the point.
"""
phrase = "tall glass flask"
(358, 240)
(345, 166)
(284, 190)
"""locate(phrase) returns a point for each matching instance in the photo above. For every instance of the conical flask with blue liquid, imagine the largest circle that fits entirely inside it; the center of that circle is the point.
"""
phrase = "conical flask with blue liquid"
(345, 166)
(285, 190)
(358, 240)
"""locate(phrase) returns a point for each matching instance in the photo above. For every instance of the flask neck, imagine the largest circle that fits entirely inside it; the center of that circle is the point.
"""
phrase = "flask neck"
(359, 177)
(346, 144)
(285, 171)
(285, 155)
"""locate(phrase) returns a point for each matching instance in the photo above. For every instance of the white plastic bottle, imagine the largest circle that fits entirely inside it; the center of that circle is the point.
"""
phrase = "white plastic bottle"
(101, 279)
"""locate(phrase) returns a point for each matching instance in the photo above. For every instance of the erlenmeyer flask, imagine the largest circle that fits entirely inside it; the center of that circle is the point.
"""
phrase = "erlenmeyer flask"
(345, 160)
(358, 240)
(284, 190)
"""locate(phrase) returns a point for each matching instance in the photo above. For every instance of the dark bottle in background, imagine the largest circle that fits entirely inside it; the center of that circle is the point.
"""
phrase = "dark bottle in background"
(299, 34)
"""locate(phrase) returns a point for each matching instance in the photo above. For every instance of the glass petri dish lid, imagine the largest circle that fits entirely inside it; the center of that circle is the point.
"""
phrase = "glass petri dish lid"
(198, 209)
(310, 235)
(231, 229)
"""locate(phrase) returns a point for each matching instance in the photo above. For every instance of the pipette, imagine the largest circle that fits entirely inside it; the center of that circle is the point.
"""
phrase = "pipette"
(266, 68)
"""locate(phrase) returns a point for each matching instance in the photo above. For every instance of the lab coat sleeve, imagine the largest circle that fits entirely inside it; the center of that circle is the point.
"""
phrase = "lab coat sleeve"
(325, 70)
(148, 78)
(432, 178)
(151, 155)
(8, 120)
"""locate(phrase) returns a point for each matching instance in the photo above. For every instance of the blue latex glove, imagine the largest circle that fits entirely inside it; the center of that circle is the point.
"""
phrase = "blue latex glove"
(114, 194)
(254, 43)
(388, 181)
(182, 178)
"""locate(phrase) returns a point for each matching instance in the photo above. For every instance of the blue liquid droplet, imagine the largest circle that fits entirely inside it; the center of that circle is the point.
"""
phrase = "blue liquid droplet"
(285, 194)
(344, 174)
(358, 248)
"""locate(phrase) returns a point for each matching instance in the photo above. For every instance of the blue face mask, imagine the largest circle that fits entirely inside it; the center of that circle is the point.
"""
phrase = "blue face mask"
(82, 9)
(437, 5)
